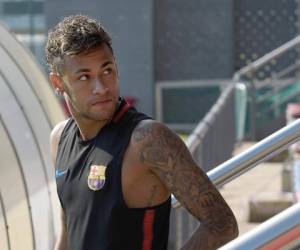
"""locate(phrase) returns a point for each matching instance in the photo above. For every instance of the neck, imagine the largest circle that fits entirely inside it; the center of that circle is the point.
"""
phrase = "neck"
(89, 128)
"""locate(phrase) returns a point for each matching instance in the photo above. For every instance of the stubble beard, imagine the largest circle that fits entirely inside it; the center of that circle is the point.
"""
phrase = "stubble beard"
(104, 116)
(79, 113)
(96, 118)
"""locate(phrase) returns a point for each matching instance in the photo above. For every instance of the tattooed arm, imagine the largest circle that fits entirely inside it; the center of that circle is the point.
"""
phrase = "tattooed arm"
(164, 153)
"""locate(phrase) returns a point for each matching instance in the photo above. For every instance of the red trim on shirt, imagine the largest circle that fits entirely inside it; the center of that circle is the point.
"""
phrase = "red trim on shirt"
(148, 229)
(121, 112)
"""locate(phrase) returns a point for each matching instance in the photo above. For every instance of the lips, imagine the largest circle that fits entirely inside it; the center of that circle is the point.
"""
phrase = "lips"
(100, 102)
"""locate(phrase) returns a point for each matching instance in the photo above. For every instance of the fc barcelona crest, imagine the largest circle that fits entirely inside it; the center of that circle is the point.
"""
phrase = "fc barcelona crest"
(96, 178)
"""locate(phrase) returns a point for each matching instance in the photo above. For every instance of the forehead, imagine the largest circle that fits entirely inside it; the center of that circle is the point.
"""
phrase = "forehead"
(93, 58)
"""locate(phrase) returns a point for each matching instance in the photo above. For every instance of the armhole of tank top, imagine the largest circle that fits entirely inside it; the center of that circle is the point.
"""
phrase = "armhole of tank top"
(136, 121)
(62, 135)
(63, 132)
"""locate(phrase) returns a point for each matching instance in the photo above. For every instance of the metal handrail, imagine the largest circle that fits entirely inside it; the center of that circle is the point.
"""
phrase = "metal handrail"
(281, 230)
(296, 178)
(261, 151)
(280, 86)
(252, 67)
(258, 156)
(198, 133)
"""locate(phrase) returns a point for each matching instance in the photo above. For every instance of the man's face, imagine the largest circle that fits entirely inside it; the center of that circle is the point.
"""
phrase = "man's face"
(90, 84)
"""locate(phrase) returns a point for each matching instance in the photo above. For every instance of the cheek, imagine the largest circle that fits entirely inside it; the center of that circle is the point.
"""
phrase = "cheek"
(117, 93)
(114, 88)
(117, 89)
(77, 97)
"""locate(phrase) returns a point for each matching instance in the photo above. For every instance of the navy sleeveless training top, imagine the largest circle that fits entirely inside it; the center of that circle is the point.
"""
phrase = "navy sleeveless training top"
(88, 177)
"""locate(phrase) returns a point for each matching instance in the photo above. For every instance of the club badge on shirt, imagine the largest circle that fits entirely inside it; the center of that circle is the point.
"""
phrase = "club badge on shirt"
(96, 178)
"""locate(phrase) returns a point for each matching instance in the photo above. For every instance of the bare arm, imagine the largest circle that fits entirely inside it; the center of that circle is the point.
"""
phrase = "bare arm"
(61, 242)
(167, 157)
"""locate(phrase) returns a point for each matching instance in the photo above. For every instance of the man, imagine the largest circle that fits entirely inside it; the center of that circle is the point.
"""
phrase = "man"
(116, 168)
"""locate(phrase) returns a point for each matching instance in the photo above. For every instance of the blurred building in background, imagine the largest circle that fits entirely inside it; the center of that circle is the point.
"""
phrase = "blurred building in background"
(27, 20)
(174, 56)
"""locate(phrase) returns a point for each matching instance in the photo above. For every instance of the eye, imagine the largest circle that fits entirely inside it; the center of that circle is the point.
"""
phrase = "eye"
(83, 77)
(107, 71)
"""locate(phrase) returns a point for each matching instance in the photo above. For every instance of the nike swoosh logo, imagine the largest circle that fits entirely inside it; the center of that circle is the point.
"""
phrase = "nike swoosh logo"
(60, 173)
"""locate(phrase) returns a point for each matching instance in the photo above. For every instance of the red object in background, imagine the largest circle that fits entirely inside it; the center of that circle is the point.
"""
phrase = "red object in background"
(132, 101)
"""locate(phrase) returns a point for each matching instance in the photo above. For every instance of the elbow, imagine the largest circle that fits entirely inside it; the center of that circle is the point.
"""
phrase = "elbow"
(229, 232)
(235, 229)
(232, 230)
(235, 226)
(232, 227)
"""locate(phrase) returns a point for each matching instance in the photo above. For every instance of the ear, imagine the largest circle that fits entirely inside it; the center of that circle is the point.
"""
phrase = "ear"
(56, 82)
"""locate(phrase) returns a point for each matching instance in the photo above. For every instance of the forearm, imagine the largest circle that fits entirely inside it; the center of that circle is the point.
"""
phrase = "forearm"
(210, 239)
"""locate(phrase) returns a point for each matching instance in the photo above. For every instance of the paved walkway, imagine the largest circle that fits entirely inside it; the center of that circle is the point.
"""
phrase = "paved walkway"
(265, 178)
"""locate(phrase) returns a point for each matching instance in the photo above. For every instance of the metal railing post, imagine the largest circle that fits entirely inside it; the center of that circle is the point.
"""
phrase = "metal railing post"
(252, 107)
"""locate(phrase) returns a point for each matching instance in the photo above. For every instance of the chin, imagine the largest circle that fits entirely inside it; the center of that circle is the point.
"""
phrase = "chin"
(101, 116)
(102, 112)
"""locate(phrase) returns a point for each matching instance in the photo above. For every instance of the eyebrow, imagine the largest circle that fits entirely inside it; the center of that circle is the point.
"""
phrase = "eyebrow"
(88, 70)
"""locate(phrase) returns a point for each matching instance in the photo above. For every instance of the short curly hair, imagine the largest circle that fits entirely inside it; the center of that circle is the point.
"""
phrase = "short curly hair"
(74, 35)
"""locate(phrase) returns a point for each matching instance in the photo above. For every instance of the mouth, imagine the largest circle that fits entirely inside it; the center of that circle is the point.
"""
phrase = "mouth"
(101, 102)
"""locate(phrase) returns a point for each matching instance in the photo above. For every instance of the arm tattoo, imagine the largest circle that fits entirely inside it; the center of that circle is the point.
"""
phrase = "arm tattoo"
(152, 194)
(170, 160)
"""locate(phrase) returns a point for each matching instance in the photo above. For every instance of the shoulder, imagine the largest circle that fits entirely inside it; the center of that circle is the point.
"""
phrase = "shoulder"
(155, 143)
(149, 130)
(55, 137)
(57, 130)
(156, 136)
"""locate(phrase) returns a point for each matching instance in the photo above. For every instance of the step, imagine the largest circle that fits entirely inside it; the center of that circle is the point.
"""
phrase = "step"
(267, 204)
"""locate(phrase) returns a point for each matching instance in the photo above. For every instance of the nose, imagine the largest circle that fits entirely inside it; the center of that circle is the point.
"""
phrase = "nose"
(98, 86)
